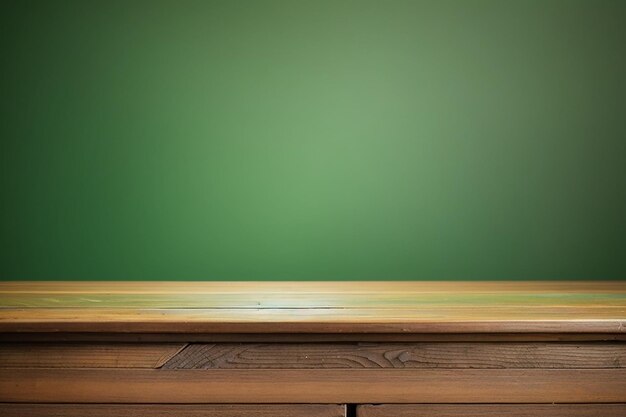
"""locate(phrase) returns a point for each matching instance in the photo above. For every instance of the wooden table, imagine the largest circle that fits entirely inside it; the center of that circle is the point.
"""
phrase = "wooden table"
(314, 349)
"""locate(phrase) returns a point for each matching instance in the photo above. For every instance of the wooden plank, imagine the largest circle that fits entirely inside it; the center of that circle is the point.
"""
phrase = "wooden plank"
(601, 319)
(208, 410)
(492, 410)
(314, 307)
(87, 355)
(313, 386)
(398, 355)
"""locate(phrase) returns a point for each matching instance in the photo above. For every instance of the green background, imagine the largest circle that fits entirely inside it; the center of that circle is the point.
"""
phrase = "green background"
(298, 140)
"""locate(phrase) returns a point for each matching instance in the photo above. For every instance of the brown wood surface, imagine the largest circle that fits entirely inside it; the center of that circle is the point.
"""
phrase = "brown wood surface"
(440, 320)
(306, 337)
(205, 410)
(313, 386)
(398, 355)
(483, 355)
(87, 355)
(492, 410)
(314, 307)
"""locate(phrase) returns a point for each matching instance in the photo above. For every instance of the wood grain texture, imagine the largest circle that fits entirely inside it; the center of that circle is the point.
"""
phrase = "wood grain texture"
(313, 386)
(87, 355)
(492, 410)
(397, 355)
(437, 320)
(100, 337)
(427, 319)
(311, 300)
(314, 307)
(207, 410)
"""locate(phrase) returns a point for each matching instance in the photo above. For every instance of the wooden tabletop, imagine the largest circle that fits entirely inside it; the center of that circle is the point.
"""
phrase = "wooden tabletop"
(314, 307)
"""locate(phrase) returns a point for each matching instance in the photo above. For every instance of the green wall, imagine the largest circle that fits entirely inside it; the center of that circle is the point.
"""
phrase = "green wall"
(188, 140)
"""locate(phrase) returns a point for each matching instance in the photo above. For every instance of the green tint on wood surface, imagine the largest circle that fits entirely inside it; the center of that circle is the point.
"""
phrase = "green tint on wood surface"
(293, 140)
(309, 300)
